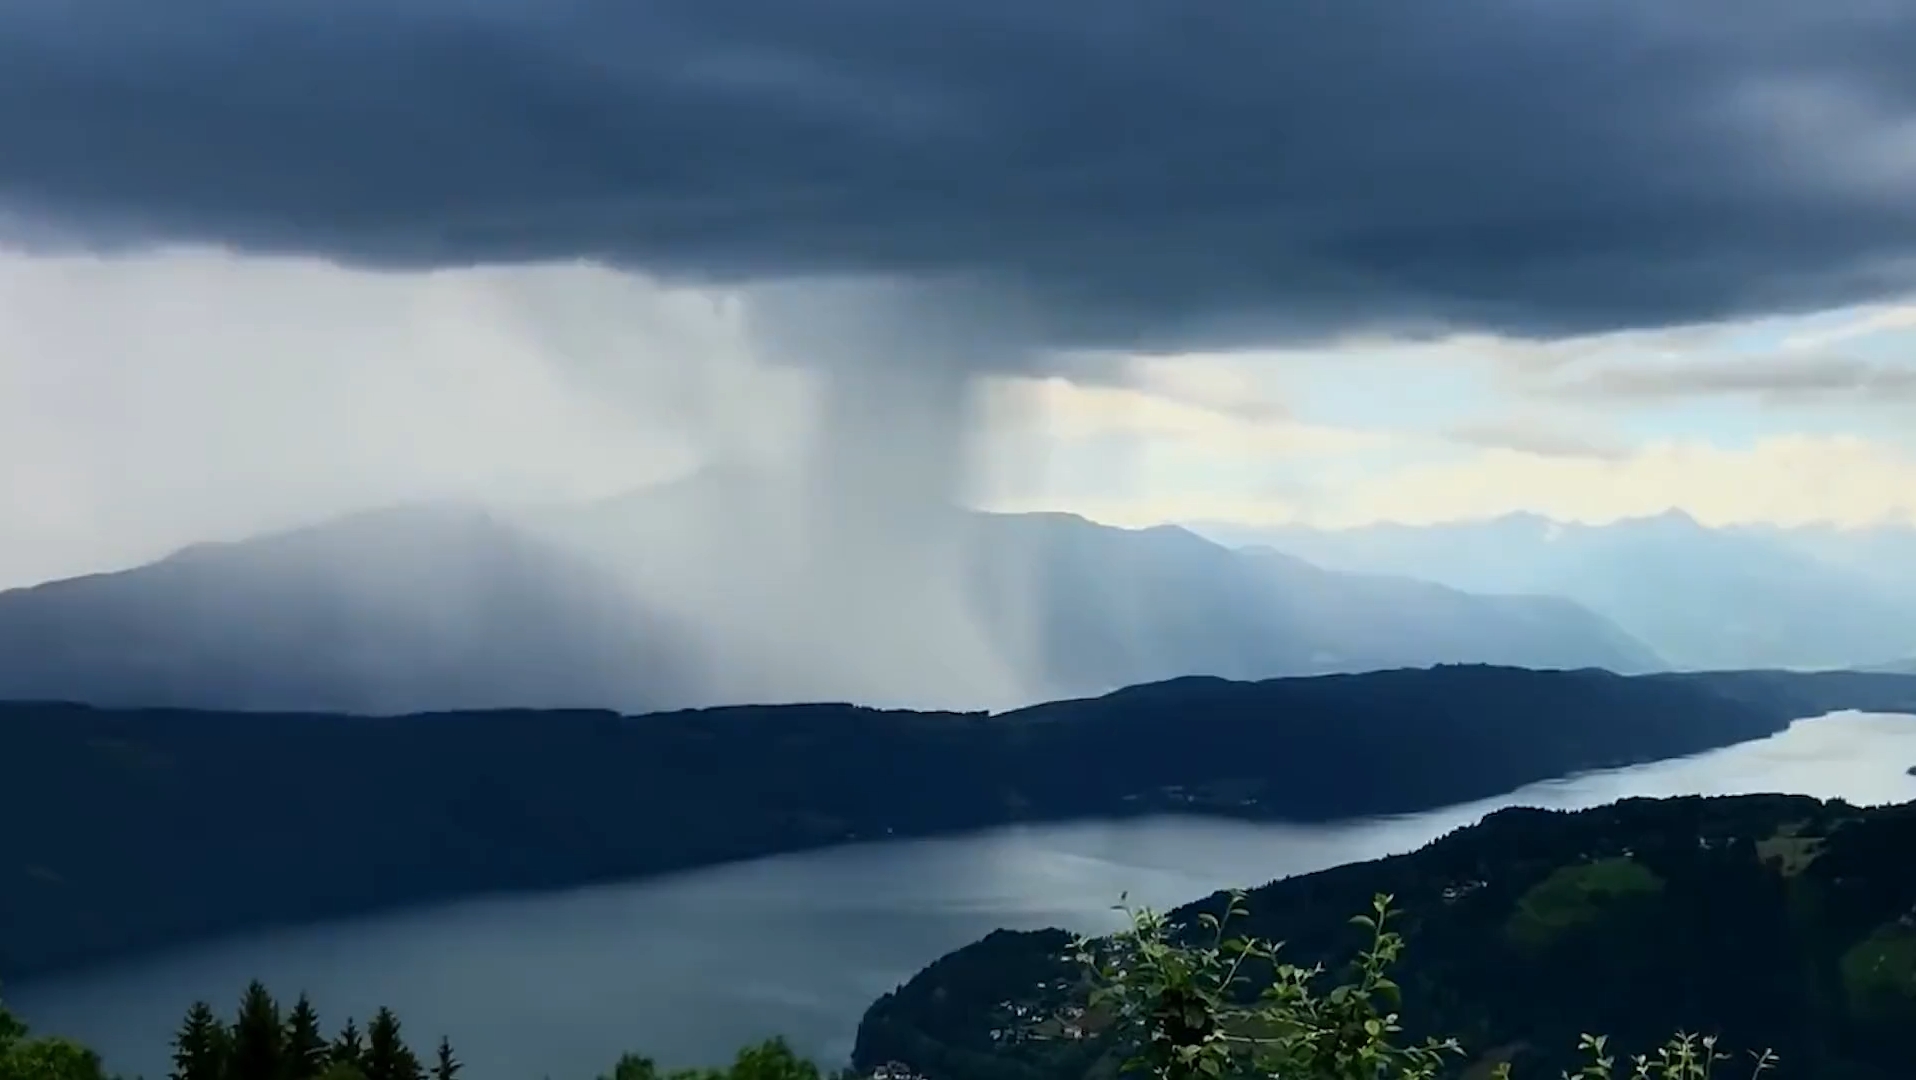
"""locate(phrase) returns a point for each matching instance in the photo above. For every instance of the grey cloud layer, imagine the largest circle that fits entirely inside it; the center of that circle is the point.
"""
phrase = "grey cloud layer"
(1536, 436)
(1147, 171)
(1781, 377)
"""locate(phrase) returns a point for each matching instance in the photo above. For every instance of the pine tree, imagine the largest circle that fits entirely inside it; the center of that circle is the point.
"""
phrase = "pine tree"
(305, 1046)
(223, 1050)
(259, 1038)
(348, 1048)
(199, 1050)
(387, 1055)
(446, 1067)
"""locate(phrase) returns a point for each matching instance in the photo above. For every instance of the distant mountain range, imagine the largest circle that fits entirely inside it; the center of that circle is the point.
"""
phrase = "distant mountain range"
(700, 593)
(1699, 597)
(128, 820)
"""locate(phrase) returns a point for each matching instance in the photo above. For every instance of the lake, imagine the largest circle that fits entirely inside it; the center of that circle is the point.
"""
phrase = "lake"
(687, 967)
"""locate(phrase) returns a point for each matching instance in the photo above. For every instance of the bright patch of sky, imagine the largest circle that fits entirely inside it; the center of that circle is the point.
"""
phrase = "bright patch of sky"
(1368, 386)
(1751, 422)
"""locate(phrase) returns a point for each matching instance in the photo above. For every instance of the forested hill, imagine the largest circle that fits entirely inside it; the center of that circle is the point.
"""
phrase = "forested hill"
(143, 828)
(1773, 921)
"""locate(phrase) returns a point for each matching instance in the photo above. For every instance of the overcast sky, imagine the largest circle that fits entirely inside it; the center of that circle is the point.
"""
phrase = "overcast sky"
(1243, 261)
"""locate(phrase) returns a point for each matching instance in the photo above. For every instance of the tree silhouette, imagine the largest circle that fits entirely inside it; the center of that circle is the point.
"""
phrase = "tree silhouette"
(259, 1038)
(349, 1047)
(445, 1067)
(632, 1067)
(305, 1046)
(199, 1049)
(387, 1055)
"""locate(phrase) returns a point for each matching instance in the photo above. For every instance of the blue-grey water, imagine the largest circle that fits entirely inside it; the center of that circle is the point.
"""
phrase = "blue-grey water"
(687, 967)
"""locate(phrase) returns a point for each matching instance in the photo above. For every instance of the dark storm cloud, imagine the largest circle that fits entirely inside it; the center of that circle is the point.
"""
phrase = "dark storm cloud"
(1145, 172)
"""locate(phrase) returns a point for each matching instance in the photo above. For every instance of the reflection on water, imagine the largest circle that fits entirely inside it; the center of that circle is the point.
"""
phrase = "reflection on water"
(687, 967)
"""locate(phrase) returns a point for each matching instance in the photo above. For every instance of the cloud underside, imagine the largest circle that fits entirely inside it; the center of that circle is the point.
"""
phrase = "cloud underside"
(1141, 173)
(1783, 376)
(1538, 437)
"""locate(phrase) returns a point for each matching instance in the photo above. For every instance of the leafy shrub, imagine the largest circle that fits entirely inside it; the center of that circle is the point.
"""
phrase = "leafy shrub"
(1182, 1007)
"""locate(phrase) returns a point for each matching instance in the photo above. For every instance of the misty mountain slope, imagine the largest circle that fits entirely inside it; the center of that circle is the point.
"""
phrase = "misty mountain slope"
(1524, 630)
(1700, 597)
(789, 602)
(1884, 553)
(1013, 608)
(1122, 606)
(389, 611)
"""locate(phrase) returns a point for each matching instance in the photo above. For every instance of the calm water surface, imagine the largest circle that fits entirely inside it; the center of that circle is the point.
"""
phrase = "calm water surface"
(685, 968)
